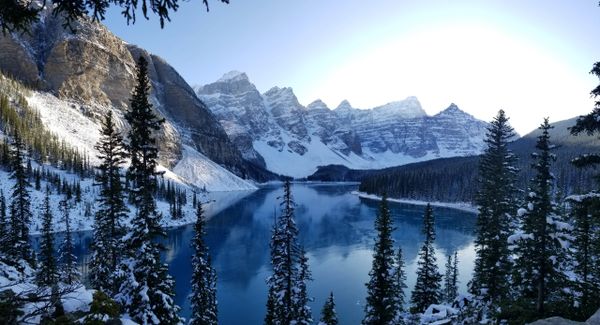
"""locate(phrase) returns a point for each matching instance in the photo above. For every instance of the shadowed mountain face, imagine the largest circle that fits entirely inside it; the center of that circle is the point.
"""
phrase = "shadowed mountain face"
(274, 130)
(95, 69)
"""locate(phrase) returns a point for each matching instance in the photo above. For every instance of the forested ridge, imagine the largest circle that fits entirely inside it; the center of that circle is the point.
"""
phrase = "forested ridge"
(455, 179)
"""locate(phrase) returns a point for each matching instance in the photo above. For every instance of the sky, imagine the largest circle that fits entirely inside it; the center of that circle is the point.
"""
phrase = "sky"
(531, 58)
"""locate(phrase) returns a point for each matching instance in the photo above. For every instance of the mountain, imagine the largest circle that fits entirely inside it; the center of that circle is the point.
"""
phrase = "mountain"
(455, 179)
(77, 77)
(274, 131)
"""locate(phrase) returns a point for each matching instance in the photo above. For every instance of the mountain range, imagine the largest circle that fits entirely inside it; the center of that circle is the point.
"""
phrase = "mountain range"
(273, 130)
(220, 135)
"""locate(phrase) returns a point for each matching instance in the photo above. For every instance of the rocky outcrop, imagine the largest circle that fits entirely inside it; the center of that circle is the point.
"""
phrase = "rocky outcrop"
(275, 127)
(95, 68)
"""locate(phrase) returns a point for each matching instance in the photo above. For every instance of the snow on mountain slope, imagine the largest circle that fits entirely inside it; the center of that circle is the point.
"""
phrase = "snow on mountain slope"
(273, 130)
(204, 173)
(70, 123)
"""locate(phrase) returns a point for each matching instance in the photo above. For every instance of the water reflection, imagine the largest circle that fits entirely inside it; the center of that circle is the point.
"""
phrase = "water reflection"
(336, 228)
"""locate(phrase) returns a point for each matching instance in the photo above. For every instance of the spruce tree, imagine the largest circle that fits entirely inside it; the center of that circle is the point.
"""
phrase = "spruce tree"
(107, 245)
(427, 290)
(328, 314)
(146, 290)
(47, 272)
(451, 278)
(586, 215)
(496, 198)
(381, 291)
(539, 253)
(4, 228)
(69, 272)
(204, 292)
(20, 209)
(302, 310)
(281, 303)
(400, 284)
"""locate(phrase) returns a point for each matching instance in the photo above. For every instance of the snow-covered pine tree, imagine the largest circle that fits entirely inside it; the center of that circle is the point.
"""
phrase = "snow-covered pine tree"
(381, 302)
(427, 290)
(539, 254)
(328, 314)
(451, 278)
(284, 261)
(146, 288)
(69, 272)
(586, 214)
(496, 198)
(204, 278)
(47, 272)
(107, 246)
(301, 299)
(20, 209)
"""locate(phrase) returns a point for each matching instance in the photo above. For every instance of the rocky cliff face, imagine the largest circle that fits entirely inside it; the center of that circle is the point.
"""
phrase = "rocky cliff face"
(275, 130)
(95, 68)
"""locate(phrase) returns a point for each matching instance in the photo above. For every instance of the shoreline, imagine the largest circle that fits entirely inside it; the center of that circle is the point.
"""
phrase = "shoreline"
(467, 207)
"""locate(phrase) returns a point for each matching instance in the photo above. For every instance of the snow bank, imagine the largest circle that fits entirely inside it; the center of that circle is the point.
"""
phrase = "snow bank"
(458, 205)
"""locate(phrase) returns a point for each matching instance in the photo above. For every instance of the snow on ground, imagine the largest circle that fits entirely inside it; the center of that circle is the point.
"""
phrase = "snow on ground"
(66, 120)
(287, 162)
(452, 205)
(204, 173)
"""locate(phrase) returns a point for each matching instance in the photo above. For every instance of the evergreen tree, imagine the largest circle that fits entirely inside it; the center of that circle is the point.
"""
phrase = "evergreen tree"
(427, 290)
(451, 278)
(47, 272)
(204, 292)
(107, 246)
(284, 261)
(497, 203)
(400, 285)
(4, 228)
(302, 310)
(146, 288)
(381, 291)
(328, 314)
(586, 214)
(69, 271)
(20, 209)
(400, 279)
(539, 253)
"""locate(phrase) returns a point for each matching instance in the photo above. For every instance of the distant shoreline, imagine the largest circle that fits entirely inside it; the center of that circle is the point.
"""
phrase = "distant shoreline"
(467, 207)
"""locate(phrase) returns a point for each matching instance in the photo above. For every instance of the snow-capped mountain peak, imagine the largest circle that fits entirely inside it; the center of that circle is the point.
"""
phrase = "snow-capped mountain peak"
(233, 76)
(275, 131)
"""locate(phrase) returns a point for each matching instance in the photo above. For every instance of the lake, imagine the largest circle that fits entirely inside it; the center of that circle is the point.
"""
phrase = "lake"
(336, 229)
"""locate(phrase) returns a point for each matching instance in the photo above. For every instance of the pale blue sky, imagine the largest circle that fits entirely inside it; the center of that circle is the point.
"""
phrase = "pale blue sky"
(530, 58)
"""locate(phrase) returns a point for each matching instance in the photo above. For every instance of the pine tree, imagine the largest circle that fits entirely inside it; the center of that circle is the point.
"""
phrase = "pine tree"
(302, 310)
(328, 314)
(400, 284)
(4, 228)
(204, 292)
(586, 215)
(107, 246)
(538, 249)
(497, 203)
(47, 272)
(381, 292)
(427, 290)
(20, 209)
(451, 278)
(146, 288)
(69, 271)
(282, 307)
